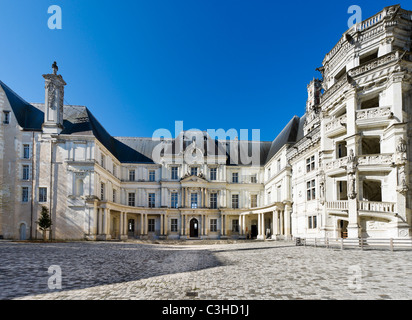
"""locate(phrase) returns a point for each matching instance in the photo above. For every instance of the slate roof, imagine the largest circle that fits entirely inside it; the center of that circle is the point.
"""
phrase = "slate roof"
(288, 135)
(78, 120)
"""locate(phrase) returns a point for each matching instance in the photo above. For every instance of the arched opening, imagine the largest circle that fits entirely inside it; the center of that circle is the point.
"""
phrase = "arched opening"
(194, 228)
(22, 232)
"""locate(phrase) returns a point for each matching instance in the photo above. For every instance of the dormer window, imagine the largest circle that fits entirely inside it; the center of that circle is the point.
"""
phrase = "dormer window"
(6, 117)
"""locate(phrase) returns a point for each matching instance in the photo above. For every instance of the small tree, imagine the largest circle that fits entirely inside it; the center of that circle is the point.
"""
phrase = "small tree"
(44, 222)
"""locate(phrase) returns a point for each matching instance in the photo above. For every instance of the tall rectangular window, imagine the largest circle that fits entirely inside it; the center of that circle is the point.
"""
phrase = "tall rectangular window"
(6, 117)
(26, 172)
(235, 201)
(193, 200)
(132, 175)
(152, 200)
(173, 225)
(213, 201)
(193, 171)
(312, 222)
(26, 151)
(114, 195)
(213, 225)
(310, 164)
(235, 225)
(253, 178)
(25, 194)
(152, 175)
(102, 160)
(102, 191)
(311, 190)
(174, 200)
(42, 194)
(151, 225)
(175, 173)
(253, 200)
(131, 199)
(235, 177)
(213, 174)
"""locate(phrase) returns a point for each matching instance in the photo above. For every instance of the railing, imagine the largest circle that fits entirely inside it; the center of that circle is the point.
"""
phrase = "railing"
(337, 205)
(370, 22)
(374, 113)
(392, 56)
(377, 206)
(338, 123)
(375, 159)
(336, 164)
(356, 243)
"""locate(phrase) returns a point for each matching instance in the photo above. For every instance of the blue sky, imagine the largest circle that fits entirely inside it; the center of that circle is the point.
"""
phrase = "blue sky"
(141, 65)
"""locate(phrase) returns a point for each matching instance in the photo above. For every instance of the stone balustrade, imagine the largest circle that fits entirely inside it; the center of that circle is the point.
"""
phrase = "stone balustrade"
(337, 205)
(375, 159)
(377, 206)
(374, 113)
(336, 125)
(337, 164)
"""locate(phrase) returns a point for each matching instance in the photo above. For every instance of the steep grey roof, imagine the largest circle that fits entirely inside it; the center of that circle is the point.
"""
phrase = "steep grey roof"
(78, 120)
(28, 117)
(287, 136)
(300, 129)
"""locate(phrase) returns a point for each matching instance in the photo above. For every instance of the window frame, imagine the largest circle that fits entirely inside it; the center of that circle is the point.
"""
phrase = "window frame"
(174, 200)
(23, 195)
(235, 201)
(213, 225)
(43, 194)
(235, 177)
(174, 225)
(131, 199)
(213, 200)
(151, 200)
(311, 190)
(25, 173)
(310, 164)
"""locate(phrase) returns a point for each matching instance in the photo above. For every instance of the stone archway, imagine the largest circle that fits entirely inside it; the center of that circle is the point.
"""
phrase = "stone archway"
(194, 228)
(22, 231)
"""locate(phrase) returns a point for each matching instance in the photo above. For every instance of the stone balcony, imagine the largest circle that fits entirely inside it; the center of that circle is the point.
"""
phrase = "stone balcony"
(373, 162)
(380, 116)
(338, 207)
(336, 126)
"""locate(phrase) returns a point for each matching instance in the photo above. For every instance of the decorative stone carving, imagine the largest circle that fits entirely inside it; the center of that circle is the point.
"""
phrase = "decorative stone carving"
(351, 171)
(402, 184)
(322, 184)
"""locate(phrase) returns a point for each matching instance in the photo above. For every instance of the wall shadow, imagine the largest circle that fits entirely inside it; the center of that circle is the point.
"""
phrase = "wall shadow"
(24, 271)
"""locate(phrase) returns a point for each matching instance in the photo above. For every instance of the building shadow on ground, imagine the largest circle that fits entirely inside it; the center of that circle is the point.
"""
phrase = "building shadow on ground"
(25, 268)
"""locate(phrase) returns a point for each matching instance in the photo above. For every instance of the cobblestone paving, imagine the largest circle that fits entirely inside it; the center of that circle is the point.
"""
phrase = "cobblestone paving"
(243, 270)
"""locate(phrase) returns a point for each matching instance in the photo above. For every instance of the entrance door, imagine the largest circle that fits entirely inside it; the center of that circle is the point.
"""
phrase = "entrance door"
(254, 231)
(194, 228)
(343, 228)
(22, 231)
(130, 228)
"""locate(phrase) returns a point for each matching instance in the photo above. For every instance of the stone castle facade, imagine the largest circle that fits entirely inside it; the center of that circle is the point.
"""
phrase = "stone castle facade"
(340, 170)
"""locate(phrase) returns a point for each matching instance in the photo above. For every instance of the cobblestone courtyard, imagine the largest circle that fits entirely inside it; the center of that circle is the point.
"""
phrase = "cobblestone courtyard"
(243, 270)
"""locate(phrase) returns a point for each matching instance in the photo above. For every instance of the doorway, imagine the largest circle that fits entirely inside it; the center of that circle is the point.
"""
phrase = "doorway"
(343, 226)
(194, 228)
(253, 230)
(22, 232)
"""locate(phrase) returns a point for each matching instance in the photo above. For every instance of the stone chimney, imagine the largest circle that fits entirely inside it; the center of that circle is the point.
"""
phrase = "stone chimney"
(53, 110)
